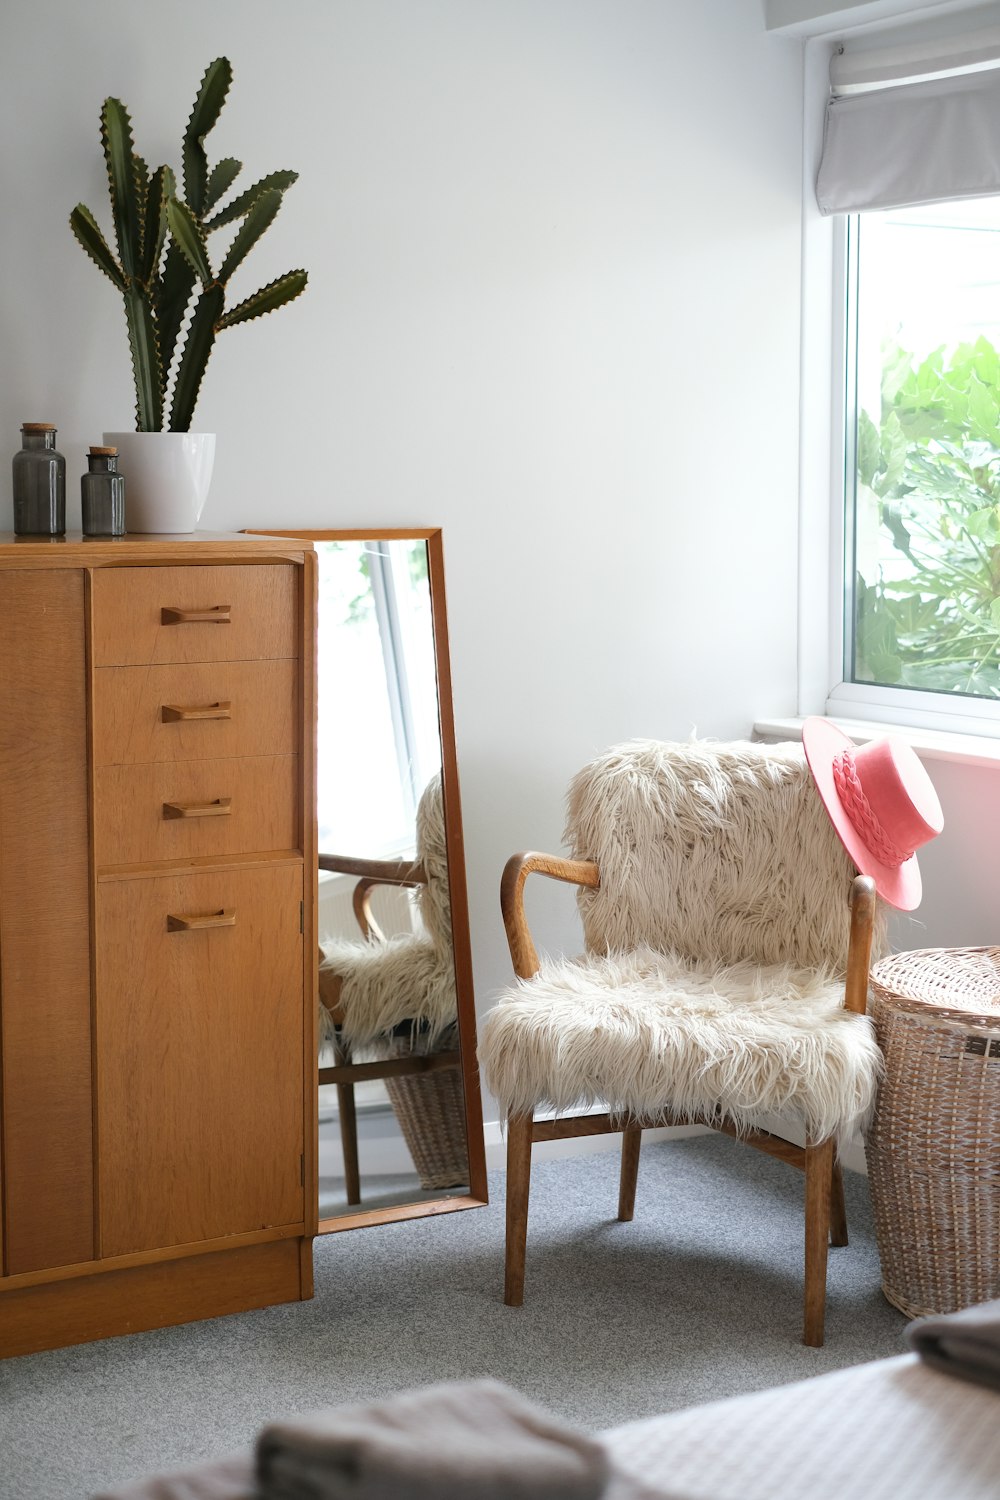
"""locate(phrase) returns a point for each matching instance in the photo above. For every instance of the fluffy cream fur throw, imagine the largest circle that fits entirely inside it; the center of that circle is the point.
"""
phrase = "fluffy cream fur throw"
(717, 943)
(647, 1031)
(720, 851)
(383, 984)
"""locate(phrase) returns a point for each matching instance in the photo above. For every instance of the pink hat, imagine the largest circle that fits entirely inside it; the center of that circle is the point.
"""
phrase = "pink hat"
(881, 802)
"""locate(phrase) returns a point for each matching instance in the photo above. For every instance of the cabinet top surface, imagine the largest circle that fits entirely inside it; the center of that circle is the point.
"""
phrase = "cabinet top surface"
(76, 551)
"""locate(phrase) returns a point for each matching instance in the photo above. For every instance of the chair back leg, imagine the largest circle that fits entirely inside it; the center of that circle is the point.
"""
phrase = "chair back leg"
(349, 1140)
(819, 1181)
(631, 1143)
(519, 1133)
(838, 1210)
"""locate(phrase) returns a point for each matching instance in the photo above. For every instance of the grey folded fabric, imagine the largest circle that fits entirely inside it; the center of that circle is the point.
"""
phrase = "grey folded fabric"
(225, 1479)
(966, 1343)
(475, 1440)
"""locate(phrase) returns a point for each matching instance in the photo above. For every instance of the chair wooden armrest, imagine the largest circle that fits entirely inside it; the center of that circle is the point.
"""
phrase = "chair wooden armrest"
(516, 871)
(859, 949)
(373, 872)
(330, 986)
(381, 871)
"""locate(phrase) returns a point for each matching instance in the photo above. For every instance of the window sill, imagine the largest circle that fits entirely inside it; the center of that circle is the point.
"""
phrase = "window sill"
(931, 744)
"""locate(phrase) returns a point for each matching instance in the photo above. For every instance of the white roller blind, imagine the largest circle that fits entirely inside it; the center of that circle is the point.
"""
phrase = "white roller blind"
(923, 142)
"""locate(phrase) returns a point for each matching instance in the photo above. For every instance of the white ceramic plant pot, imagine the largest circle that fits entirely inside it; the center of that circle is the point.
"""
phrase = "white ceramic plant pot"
(167, 475)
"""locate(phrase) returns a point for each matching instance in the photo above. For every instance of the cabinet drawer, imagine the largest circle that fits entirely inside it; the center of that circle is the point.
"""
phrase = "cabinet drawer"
(199, 1056)
(182, 809)
(142, 616)
(194, 712)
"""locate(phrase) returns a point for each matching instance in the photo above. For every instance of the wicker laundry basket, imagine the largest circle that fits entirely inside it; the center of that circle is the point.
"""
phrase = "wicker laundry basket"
(430, 1109)
(934, 1145)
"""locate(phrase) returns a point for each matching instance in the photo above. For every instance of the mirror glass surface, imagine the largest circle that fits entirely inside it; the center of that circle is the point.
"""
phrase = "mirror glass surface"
(390, 1073)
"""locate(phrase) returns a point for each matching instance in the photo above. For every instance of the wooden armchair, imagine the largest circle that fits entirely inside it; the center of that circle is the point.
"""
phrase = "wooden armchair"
(383, 989)
(727, 939)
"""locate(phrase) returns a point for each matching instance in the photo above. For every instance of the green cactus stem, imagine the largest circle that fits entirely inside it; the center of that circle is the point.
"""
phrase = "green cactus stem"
(162, 252)
(138, 210)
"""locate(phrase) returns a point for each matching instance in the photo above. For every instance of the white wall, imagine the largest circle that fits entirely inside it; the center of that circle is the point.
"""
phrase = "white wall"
(553, 249)
(961, 869)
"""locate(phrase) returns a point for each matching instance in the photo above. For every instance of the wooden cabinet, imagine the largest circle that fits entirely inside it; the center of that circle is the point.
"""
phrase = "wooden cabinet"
(157, 932)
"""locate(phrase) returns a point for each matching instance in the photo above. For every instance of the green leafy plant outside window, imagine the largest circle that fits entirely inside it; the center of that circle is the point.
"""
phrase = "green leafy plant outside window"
(927, 524)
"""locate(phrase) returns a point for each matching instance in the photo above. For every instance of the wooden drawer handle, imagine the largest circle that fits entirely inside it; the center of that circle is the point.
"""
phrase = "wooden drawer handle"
(196, 921)
(220, 808)
(219, 614)
(173, 713)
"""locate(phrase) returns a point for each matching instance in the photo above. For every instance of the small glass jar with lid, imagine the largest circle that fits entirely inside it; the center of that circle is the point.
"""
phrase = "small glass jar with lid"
(39, 474)
(102, 494)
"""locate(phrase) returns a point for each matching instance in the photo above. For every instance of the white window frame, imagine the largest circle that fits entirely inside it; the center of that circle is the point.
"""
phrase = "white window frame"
(824, 587)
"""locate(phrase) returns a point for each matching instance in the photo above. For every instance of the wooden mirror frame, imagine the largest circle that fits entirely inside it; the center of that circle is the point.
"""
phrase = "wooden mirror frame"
(477, 1195)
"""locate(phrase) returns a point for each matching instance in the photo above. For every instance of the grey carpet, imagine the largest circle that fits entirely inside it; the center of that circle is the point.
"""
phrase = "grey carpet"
(699, 1297)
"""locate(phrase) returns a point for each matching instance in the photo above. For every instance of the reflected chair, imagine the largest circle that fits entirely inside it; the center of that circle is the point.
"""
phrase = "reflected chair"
(388, 1005)
(724, 981)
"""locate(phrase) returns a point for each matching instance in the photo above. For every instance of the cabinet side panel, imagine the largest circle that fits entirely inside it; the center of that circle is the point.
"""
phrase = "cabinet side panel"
(45, 1013)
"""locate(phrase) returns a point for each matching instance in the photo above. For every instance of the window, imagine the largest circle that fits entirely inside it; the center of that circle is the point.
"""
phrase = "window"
(922, 451)
(378, 737)
(907, 187)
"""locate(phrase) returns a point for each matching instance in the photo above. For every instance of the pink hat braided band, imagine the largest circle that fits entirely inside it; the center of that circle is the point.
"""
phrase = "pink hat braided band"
(859, 810)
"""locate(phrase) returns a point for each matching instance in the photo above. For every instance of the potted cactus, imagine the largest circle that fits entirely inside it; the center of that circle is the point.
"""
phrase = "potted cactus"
(162, 267)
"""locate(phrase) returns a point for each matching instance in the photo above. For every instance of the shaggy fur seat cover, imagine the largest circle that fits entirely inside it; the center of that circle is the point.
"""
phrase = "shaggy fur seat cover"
(410, 978)
(717, 945)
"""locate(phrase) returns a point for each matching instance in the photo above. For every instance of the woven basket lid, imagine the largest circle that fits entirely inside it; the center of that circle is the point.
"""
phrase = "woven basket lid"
(960, 983)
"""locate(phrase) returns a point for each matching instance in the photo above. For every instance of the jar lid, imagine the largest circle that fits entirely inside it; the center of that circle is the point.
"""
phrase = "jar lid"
(106, 452)
(38, 427)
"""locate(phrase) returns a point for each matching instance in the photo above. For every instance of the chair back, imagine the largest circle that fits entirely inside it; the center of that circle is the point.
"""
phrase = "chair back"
(433, 899)
(720, 852)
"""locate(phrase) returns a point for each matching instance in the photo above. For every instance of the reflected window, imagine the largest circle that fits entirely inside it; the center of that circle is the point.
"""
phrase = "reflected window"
(378, 734)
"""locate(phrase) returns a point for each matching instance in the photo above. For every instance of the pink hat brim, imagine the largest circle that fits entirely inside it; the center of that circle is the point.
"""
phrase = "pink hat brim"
(900, 885)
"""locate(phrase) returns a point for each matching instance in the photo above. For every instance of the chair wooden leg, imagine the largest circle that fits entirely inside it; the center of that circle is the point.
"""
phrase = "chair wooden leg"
(838, 1210)
(819, 1180)
(518, 1181)
(349, 1140)
(631, 1143)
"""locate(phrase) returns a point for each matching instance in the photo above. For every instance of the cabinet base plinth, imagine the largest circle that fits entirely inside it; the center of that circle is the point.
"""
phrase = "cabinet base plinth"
(159, 1295)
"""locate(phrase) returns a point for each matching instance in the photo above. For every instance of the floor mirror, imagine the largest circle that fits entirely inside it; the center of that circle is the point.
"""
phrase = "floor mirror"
(399, 1114)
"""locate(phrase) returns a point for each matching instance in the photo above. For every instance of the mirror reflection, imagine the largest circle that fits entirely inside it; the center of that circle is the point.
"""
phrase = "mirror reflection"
(391, 1111)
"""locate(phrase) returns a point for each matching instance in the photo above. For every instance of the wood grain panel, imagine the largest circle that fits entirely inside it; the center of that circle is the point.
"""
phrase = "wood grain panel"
(130, 826)
(199, 1058)
(151, 1296)
(128, 605)
(44, 922)
(151, 713)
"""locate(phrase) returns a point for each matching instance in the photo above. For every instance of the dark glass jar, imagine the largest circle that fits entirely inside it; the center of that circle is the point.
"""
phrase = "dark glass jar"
(102, 494)
(39, 483)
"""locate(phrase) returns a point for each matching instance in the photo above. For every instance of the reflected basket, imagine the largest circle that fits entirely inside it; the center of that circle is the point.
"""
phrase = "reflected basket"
(430, 1109)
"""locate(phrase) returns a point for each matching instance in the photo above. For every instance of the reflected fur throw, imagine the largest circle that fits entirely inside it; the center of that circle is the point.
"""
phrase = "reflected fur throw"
(716, 950)
(384, 984)
(406, 978)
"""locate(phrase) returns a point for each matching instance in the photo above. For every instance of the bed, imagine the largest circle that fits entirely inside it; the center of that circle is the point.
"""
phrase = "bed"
(889, 1430)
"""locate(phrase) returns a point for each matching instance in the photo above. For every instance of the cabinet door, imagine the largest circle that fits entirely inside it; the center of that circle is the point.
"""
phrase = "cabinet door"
(199, 1048)
(46, 1107)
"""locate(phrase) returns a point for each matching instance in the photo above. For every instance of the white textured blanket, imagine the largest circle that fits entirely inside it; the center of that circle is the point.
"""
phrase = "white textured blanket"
(891, 1430)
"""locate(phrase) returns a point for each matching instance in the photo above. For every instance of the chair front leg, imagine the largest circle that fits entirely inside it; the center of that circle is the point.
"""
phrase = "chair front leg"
(631, 1143)
(518, 1181)
(819, 1179)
